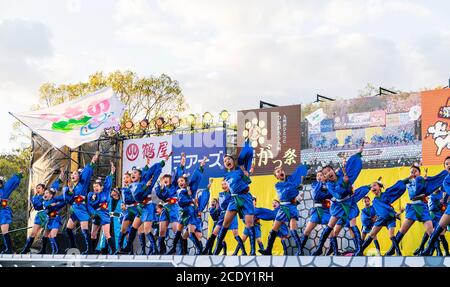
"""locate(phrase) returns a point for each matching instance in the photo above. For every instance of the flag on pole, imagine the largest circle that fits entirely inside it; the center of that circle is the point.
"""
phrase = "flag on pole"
(76, 122)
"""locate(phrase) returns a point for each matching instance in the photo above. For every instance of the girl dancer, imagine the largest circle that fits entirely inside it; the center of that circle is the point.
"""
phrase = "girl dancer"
(385, 213)
(339, 185)
(40, 220)
(98, 200)
(78, 188)
(418, 189)
(238, 180)
(186, 202)
(287, 190)
(6, 188)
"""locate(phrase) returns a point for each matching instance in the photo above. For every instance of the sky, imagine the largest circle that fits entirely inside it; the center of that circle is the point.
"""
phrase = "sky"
(225, 54)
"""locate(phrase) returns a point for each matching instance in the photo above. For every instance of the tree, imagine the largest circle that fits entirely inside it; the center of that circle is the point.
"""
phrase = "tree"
(11, 164)
(144, 97)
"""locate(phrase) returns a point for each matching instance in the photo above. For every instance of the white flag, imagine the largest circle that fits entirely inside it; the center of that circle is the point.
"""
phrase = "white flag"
(316, 117)
(76, 122)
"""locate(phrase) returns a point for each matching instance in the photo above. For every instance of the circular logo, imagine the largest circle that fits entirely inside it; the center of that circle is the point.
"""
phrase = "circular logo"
(132, 152)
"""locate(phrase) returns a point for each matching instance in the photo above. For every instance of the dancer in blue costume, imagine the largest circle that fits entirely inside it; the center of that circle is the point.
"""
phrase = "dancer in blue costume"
(40, 220)
(385, 214)
(349, 221)
(115, 214)
(129, 208)
(238, 179)
(141, 188)
(224, 200)
(257, 226)
(339, 185)
(419, 188)
(98, 200)
(187, 189)
(6, 188)
(76, 196)
(166, 191)
(320, 212)
(440, 229)
(368, 218)
(52, 205)
(437, 205)
(287, 189)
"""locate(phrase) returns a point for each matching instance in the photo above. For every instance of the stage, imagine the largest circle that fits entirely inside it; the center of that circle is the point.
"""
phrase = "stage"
(35, 260)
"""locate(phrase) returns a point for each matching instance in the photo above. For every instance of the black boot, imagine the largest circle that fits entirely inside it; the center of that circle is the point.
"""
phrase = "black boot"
(71, 238)
(240, 246)
(444, 244)
(177, 238)
(396, 246)
(131, 237)
(27, 247)
(302, 245)
(431, 242)
(377, 246)
(153, 249)
(112, 245)
(392, 250)
(285, 247)
(323, 237)
(334, 246)
(54, 244)
(209, 244)
(197, 243)
(270, 242)
(224, 248)
(44, 245)
(121, 241)
(236, 250)
(94, 242)
(87, 242)
(357, 241)
(422, 244)
(437, 247)
(8, 244)
(252, 241)
(143, 244)
(162, 245)
(366, 243)
(223, 231)
(184, 247)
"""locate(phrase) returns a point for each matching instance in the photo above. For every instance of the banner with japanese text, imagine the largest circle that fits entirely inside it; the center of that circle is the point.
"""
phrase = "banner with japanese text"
(194, 145)
(136, 151)
(198, 145)
(274, 133)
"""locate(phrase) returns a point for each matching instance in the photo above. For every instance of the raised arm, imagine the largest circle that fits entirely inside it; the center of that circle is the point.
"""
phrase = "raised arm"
(360, 192)
(297, 177)
(88, 170)
(434, 182)
(196, 176)
(394, 192)
(12, 184)
(245, 157)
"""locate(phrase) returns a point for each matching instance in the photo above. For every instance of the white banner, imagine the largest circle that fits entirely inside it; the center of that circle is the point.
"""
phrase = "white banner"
(316, 117)
(135, 152)
(76, 122)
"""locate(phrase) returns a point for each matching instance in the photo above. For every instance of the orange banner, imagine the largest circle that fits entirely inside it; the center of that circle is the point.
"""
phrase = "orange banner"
(435, 126)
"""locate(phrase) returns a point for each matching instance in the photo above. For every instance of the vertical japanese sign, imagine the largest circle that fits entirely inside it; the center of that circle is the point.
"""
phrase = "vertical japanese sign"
(435, 126)
(274, 133)
(135, 152)
(198, 145)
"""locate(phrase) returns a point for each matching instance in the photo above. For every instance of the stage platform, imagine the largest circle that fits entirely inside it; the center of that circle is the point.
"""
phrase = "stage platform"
(35, 260)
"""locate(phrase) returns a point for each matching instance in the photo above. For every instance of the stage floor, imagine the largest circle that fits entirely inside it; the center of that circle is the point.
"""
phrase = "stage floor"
(35, 260)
